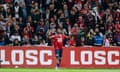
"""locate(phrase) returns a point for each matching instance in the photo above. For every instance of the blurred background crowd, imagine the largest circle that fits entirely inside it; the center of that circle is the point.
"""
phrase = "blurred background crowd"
(88, 22)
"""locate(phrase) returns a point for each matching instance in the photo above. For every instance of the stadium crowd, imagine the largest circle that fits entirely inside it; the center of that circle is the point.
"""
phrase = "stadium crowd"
(87, 22)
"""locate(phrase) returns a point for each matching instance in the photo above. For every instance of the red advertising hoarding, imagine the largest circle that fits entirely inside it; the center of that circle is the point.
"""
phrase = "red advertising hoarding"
(73, 57)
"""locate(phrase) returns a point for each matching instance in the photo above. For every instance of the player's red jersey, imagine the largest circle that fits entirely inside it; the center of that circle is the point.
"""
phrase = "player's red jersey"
(58, 40)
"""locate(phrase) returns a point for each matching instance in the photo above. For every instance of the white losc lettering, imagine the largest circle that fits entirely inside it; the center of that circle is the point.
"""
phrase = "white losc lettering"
(101, 60)
(72, 58)
(83, 54)
(110, 57)
(21, 57)
(42, 56)
(32, 58)
(2, 57)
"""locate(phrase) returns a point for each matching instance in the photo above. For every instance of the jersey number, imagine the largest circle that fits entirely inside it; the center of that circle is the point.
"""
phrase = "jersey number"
(59, 39)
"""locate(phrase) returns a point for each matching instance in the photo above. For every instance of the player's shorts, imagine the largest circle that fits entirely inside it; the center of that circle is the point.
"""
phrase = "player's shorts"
(58, 53)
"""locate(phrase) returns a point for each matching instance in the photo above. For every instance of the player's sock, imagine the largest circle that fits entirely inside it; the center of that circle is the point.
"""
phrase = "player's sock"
(58, 65)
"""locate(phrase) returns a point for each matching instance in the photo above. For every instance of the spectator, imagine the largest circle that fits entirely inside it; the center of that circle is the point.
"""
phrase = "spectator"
(109, 34)
(117, 14)
(36, 14)
(19, 2)
(49, 32)
(52, 28)
(117, 38)
(117, 26)
(29, 19)
(17, 28)
(41, 26)
(6, 38)
(16, 10)
(35, 40)
(62, 18)
(67, 25)
(72, 17)
(41, 34)
(16, 43)
(106, 42)
(43, 43)
(80, 22)
(46, 15)
(75, 30)
(7, 1)
(111, 39)
(15, 36)
(91, 20)
(52, 9)
(71, 41)
(89, 37)
(21, 23)
(82, 41)
(2, 43)
(78, 5)
(28, 30)
(98, 39)
(64, 31)
(24, 11)
(14, 21)
(66, 11)
(25, 40)
(8, 28)
(101, 27)
(8, 13)
(106, 14)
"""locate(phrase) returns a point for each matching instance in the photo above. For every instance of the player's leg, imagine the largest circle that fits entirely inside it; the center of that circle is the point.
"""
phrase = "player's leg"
(57, 53)
(60, 55)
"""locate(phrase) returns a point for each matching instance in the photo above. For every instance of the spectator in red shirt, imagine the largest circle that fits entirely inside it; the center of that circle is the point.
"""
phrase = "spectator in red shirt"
(81, 22)
(75, 31)
(7, 1)
(117, 14)
(28, 30)
(71, 41)
(110, 38)
(117, 26)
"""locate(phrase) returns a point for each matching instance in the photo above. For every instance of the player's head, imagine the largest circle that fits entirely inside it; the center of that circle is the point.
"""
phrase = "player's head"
(59, 31)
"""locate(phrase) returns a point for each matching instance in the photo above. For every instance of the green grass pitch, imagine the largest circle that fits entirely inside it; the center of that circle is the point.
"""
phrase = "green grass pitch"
(60, 70)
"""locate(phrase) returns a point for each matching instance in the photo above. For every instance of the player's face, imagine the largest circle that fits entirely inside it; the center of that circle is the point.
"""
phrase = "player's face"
(58, 31)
